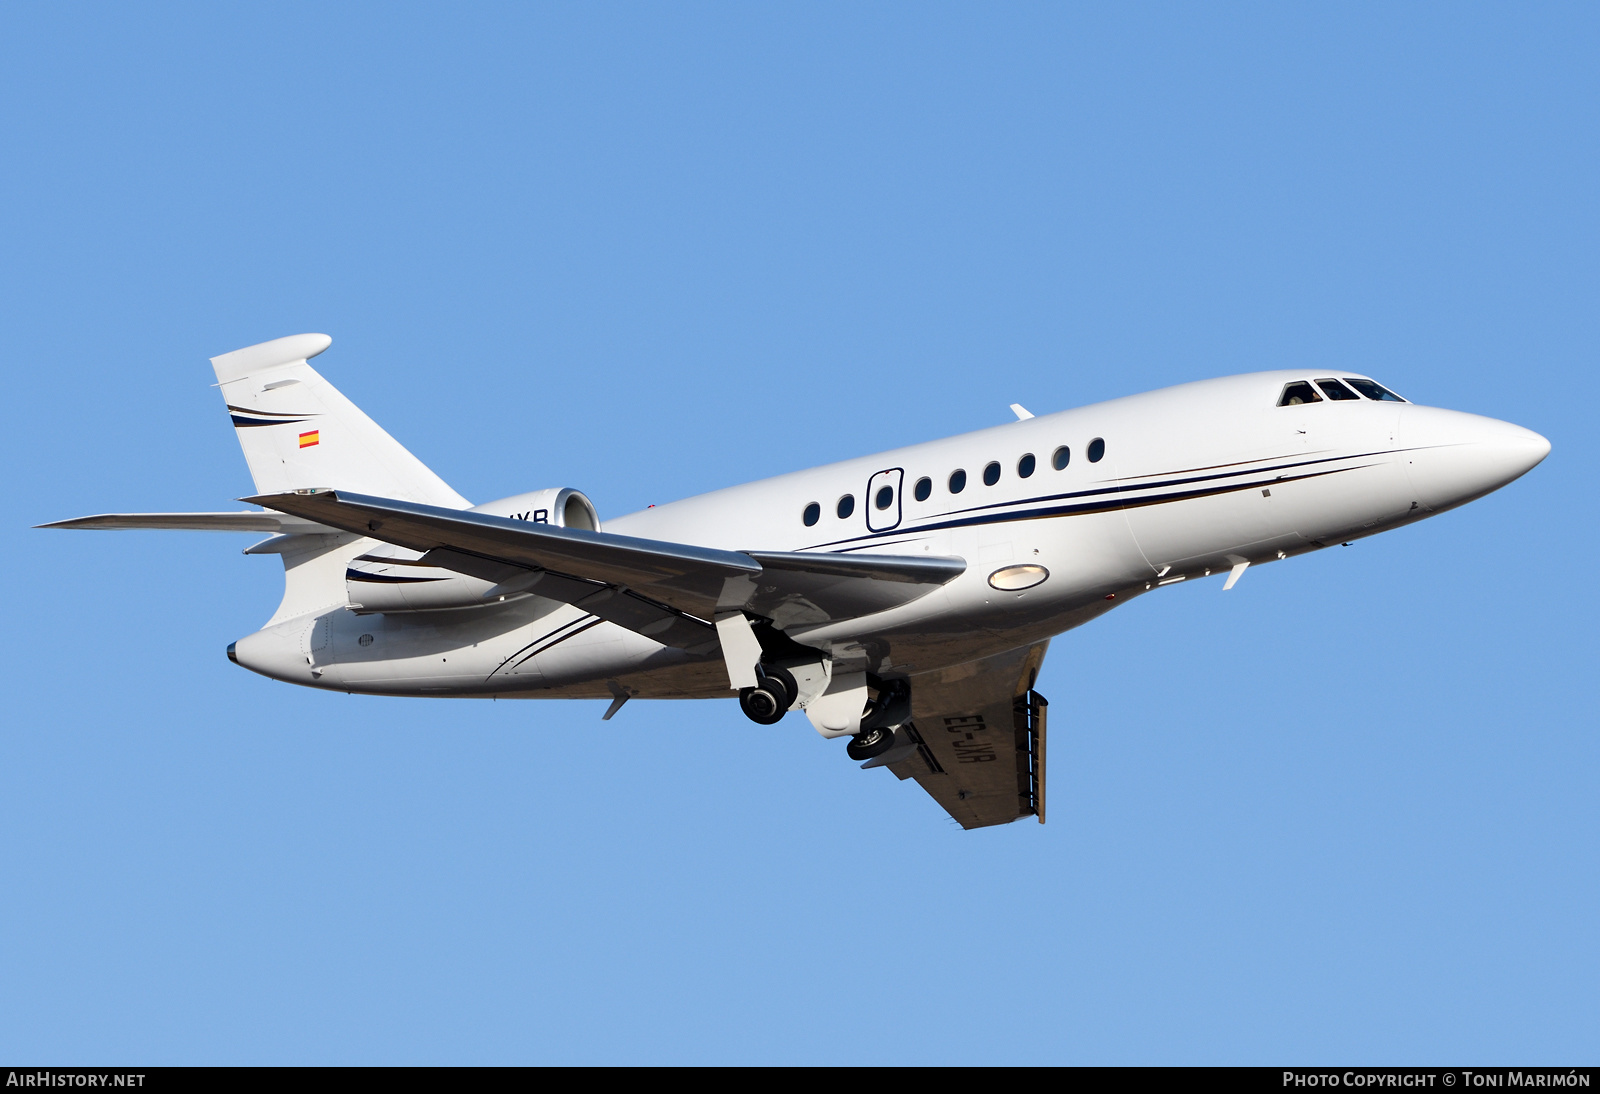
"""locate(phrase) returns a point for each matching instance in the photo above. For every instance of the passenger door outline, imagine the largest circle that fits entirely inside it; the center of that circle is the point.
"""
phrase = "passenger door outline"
(884, 520)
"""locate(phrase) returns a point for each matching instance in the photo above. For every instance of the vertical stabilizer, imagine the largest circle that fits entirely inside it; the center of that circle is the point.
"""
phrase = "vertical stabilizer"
(298, 432)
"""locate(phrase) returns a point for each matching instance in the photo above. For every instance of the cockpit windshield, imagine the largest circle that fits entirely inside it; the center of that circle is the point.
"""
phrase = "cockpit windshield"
(1295, 394)
(1305, 391)
(1336, 391)
(1374, 391)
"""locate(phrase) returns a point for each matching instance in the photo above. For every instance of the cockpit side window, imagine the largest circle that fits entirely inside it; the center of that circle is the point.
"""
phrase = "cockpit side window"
(1336, 391)
(1297, 393)
(1376, 392)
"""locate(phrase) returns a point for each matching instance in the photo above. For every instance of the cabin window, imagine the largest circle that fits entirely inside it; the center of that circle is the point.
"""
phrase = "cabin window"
(812, 514)
(1336, 391)
(1025, 466)
(1061, 458)
(958, 481)
(847, 505)
(1376, 392)
(991, 474)
(923, 488)
(885, 497)
(1097, 450)
(1297, 393)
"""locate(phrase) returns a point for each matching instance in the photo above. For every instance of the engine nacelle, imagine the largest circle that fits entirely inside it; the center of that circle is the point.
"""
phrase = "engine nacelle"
(394, 579)
(565, 508)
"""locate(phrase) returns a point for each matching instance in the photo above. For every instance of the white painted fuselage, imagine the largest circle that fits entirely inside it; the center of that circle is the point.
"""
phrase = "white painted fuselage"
(1195, 480)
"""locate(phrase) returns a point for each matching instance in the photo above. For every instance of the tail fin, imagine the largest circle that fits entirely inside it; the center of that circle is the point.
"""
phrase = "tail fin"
(298, 432)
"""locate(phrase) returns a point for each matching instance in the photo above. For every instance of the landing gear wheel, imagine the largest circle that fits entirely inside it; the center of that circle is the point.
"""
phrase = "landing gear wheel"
(765, 704)
(782, 679)
(869, 743)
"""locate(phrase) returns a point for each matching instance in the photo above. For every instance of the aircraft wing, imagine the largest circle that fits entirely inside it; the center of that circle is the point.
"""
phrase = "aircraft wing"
(977, 735)
(245, 521)
(667, 591)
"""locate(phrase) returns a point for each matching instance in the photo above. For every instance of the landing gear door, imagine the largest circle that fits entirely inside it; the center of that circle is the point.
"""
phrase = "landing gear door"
(883, 500)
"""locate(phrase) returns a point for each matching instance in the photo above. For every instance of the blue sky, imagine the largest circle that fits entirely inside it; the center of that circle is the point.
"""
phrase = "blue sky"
(1345, 813)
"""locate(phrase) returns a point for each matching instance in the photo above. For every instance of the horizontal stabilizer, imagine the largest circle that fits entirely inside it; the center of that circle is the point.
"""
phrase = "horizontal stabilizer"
(246, 521)
(667, 591)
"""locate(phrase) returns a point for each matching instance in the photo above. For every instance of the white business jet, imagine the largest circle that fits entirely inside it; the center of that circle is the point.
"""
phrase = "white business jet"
(903, 600)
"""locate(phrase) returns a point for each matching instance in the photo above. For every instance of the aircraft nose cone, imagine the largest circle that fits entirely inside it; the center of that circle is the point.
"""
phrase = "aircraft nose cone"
(1452, 458)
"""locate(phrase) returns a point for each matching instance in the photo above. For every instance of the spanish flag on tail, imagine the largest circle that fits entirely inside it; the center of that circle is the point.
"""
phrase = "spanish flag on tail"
(309, 439)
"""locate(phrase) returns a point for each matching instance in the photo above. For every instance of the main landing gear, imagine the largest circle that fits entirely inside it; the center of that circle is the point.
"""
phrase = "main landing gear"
(771, 698)
(776, 690)
(869, 743)
(883, 716)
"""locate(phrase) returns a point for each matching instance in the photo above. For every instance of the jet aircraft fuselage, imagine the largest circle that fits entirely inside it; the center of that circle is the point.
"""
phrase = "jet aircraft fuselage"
(841, 589)
(1151, 490)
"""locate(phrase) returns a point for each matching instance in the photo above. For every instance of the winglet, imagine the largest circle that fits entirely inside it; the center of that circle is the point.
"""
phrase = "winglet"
(293, 350)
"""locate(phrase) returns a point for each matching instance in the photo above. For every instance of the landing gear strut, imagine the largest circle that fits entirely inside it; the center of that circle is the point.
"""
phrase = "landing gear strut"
(890, 708)
(771, 698)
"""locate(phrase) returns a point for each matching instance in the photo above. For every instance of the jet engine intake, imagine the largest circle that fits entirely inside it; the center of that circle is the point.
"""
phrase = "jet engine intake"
(564, 507)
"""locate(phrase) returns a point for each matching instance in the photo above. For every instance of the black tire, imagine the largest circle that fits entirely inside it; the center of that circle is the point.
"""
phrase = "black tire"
(784, 680)
(763, 704)
(869, 743)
